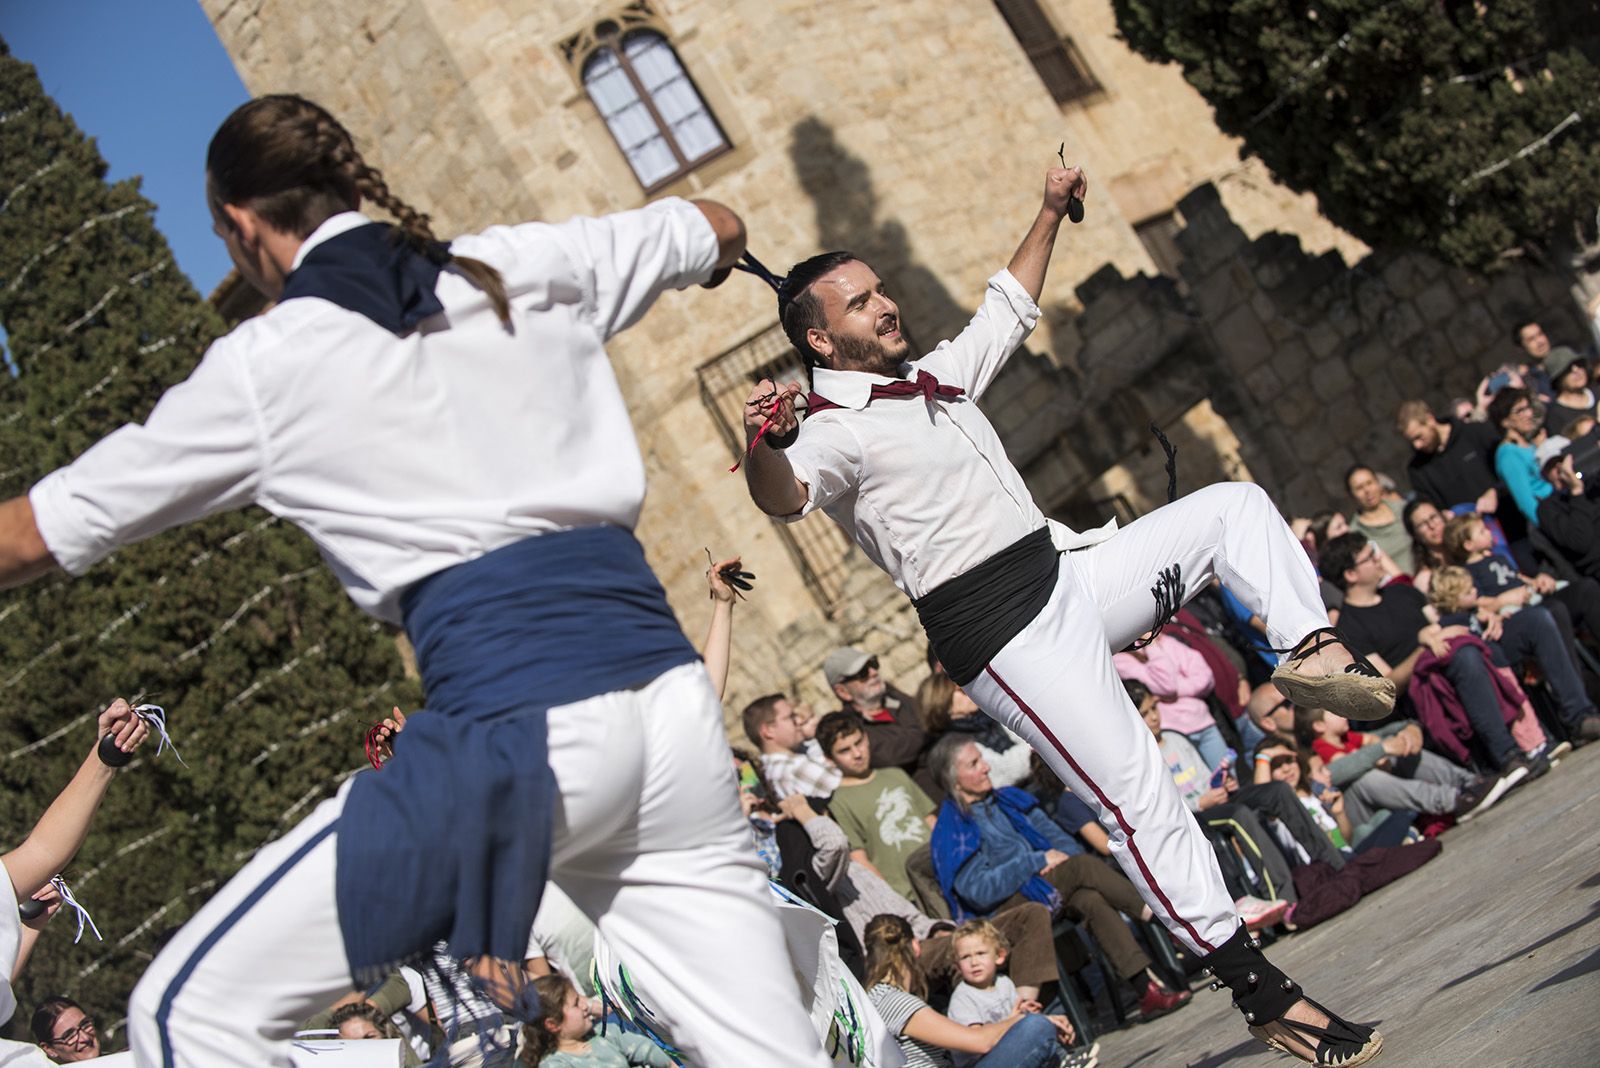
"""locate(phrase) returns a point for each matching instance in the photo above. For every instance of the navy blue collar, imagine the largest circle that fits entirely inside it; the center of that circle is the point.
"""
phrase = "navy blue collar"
(371, 271)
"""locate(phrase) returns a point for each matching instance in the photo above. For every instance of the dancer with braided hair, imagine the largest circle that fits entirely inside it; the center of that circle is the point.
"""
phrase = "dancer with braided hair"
(442, 420)
(897, 451)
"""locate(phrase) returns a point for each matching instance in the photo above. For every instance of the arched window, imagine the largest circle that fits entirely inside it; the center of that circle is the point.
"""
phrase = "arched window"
(651, 107)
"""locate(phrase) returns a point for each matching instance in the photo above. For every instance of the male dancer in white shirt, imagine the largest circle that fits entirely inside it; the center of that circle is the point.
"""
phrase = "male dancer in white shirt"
(442, 420)
(896, 450)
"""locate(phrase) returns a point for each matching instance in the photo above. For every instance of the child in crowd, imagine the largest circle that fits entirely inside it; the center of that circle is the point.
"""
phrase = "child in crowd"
(1454, 595)
(985, 996)
(1311, 785)
(562, 1036)
(898, 989)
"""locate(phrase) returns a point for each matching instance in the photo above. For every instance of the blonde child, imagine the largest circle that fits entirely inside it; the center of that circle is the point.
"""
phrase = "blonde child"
(561, 1036)
(986, 995)
(1454, 595)
(929, 1039)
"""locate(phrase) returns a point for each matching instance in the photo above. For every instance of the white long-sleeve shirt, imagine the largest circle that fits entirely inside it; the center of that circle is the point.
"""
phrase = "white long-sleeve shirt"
(925, 488)
(402, 456)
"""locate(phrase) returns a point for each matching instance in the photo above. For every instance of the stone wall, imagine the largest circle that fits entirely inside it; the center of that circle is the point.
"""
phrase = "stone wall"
(1303, 357)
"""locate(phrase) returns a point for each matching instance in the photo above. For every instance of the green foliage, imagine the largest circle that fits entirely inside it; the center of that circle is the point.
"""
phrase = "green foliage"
(247, 639)
(1389, 111)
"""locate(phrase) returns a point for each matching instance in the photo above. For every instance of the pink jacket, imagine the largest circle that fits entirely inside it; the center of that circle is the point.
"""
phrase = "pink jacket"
(1170, 669)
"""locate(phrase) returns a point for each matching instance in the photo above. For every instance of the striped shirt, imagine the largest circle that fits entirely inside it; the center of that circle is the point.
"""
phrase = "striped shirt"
(897, 1007)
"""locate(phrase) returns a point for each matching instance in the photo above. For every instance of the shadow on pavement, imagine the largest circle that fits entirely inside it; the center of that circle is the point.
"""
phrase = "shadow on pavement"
(1553, 936)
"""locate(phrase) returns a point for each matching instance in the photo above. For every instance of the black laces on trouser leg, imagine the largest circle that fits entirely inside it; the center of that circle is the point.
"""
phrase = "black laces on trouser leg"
(1168, 590)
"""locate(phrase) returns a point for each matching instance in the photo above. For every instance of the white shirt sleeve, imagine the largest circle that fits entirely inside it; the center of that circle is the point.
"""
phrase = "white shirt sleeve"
(198, 453)
(628, 259)
(10, 943)
(973, 357)
(827, 458)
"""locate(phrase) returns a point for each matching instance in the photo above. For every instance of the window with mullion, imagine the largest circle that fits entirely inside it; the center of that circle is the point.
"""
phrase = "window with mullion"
(652, 108)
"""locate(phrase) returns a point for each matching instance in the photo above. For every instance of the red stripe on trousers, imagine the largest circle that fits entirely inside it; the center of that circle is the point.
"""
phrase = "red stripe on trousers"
(1133, 848)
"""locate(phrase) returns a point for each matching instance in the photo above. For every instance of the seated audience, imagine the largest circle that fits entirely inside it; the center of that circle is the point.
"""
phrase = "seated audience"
(899, 991)
(1386, 769)
(886, 817)
(1179, 679)
(1377, 516)
(1455, 598)
(1570, 516)
(1571, 412)
(562, 1036)
(1224, 807)
(773, 727)
(1390, 626)
(990, 846)
(945, 707)
(1452, 467)
(893, 723)
(397, 1008)
(986, 995)
(64, 1031)
(1514, 414)
(1504, 593)
(1425, 523)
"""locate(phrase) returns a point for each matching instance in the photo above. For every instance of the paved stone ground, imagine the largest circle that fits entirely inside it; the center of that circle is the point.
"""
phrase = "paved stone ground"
(1488, 957)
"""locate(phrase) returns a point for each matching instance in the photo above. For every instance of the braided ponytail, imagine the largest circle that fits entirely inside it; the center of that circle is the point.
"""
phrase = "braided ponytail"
(295, 166)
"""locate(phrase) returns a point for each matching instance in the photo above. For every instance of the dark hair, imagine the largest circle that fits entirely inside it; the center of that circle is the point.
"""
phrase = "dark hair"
(363, 1010)
(1351, 473)
(293, 164)
(1523, 322)
(1500, 407)
(1423, 554)
(891, 957)
(1138, 692)
(1319, 527)
(540, 1041)
(43, 1023)
(1305, 731)
(759, 713)
(799, 309)
(1339, 555)
(836, 726)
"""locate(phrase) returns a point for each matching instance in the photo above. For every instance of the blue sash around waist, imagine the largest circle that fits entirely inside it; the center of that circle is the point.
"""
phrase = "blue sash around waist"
(451, 839)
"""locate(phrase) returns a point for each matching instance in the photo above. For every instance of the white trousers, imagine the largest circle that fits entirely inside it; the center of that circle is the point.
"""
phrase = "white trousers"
(1054, 684)
(649, 842)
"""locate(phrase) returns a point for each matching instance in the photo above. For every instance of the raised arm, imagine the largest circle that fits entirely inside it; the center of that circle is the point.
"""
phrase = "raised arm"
(1032, 257)
(60, 831)
(23, 554)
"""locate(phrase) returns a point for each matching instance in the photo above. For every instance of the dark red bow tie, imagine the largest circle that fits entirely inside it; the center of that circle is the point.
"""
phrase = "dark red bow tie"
(924, 383)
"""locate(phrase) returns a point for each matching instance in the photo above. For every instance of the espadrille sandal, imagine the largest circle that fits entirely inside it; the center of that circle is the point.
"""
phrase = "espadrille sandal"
(1341, 1044)
(1359, 692)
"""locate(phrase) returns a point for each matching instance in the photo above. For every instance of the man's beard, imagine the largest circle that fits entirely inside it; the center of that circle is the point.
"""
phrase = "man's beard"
(874, 357)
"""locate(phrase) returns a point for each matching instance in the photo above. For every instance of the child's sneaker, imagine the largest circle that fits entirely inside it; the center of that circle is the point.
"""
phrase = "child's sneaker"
(1257, 913)
(1080, 1057)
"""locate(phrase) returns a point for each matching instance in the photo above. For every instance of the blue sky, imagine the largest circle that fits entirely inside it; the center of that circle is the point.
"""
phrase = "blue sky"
(149, 81)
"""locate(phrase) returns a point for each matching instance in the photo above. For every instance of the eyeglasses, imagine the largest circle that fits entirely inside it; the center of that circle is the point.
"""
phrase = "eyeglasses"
(1275, 709)
(1431, 520)
(1524, 408)
(861, 676)
(74, 1035)
(1280, 761)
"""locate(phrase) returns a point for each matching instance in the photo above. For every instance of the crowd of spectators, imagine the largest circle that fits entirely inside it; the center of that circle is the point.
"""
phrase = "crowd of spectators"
(973, 894)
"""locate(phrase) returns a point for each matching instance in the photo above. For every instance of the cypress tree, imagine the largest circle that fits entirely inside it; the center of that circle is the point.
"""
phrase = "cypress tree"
(268, 673)
(1467, 130)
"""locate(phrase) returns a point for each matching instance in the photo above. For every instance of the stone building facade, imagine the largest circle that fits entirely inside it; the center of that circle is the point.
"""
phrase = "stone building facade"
(915, 132)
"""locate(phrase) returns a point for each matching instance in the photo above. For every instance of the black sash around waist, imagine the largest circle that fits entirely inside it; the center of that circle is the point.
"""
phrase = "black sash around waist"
(970, 618)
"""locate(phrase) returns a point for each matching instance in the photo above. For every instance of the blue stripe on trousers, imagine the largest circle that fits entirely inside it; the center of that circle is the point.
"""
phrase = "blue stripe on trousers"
(209, 942)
